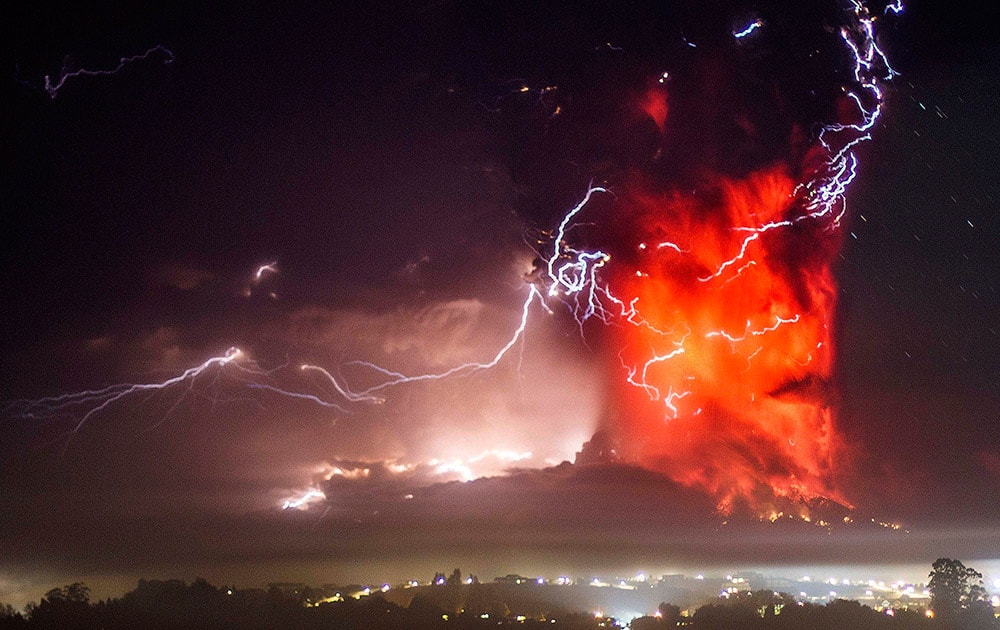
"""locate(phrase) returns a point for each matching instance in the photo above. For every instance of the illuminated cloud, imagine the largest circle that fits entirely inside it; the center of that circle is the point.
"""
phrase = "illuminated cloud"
(438, 335)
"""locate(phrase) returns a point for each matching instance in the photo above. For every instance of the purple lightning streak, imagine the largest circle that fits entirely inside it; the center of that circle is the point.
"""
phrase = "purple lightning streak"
(87, 404)
(97, 400)
(573, 274)
(397, 378)
(652, 391)
(53, 87)
(562, 276)
(203, 381)
(342, 390)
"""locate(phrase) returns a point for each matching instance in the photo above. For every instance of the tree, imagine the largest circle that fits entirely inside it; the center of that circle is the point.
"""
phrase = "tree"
(956, 590)
(10, 618)
(77, 592)
(669, 614)
(66, 607)
(726, 617)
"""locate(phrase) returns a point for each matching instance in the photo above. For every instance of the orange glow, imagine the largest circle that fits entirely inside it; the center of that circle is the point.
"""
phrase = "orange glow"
(654, 103)
(731, 359)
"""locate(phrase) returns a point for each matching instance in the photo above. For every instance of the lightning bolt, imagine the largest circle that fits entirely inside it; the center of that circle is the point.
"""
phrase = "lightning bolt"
(53, 86)
(97, 400)
(303, 500)
(750, 28)
(271, 267)
(397, 378)
(748, 332)
(201, 381)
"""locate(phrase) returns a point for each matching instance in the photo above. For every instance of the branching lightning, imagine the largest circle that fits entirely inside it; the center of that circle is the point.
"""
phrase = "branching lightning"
(397, 378)
(93, 402)
(205, 381)
(53, 86)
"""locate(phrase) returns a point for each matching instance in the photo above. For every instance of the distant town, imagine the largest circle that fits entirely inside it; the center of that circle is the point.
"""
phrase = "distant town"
(954, 596)
(627, 598)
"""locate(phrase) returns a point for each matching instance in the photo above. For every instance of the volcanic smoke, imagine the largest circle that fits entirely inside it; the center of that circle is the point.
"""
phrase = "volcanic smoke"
(715, 276)
(725, 292)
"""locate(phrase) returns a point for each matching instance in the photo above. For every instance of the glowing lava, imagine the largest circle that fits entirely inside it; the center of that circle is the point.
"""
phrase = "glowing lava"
(726, 376)
(725, 295)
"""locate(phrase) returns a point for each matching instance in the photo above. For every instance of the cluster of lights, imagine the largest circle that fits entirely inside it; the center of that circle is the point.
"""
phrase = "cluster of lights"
(733, 585)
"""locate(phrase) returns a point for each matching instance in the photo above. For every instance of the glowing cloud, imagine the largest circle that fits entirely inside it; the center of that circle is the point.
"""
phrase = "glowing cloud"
(723, 301)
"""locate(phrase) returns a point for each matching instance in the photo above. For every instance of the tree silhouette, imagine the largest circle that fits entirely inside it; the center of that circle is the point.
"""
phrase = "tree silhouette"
(176, 605)
(66, 607)
(669, 614)
(957, 593)
(726, 616)
(10, 618)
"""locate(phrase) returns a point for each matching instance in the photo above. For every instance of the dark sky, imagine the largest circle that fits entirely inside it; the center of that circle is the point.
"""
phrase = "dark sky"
(397, 161)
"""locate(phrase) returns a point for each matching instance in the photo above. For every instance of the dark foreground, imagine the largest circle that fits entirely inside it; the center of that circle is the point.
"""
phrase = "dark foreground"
(448, 606)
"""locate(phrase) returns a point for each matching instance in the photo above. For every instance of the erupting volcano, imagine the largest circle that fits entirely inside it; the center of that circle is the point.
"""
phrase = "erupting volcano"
(698, 265)
(718, 282)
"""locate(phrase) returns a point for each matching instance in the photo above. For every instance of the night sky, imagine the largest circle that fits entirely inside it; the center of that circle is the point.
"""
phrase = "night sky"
(400, 164)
